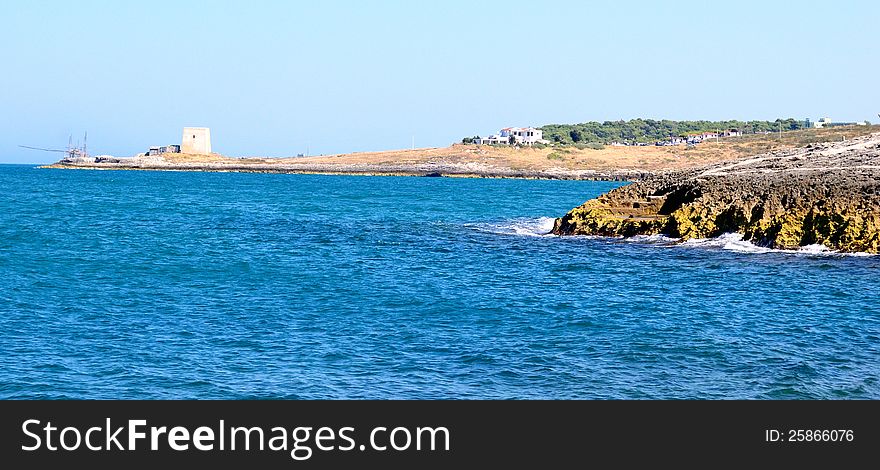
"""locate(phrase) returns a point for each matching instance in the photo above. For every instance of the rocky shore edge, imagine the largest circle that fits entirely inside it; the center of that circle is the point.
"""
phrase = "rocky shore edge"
(826, 194)
(464, 170)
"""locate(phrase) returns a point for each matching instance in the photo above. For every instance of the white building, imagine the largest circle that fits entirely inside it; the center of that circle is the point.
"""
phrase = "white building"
(822, 122)
(492, 139)
(521, 136)
(196, 140)
(826, 122)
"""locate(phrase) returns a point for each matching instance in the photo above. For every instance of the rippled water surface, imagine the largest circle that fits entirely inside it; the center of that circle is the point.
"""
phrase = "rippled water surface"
(208, 285)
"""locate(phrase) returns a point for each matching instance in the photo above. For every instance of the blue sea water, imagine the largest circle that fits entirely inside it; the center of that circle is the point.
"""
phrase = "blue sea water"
(217, 285)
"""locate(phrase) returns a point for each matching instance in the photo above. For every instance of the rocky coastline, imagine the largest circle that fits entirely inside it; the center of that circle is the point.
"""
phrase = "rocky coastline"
(824, 193)
(460, 170)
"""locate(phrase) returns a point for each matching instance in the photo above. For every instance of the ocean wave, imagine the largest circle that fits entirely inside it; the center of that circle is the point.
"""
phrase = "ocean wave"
(735, 242)
(730, 242)
(542, 226)
(659, 240)
(529, 227)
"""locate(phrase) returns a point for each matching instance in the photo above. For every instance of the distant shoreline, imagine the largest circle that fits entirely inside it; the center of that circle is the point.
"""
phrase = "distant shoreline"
(583, 175)
(551, 162)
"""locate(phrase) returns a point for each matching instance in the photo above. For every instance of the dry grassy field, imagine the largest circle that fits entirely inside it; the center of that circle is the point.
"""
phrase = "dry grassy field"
(649, 158)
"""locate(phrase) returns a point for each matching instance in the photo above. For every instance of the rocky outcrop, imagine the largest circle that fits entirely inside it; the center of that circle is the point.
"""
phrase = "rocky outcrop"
(826, 194)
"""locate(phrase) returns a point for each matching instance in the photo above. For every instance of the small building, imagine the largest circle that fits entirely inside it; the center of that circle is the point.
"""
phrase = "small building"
(697, 137)
(822, 122)
(827, 122)
(173, 148)
(494, 139)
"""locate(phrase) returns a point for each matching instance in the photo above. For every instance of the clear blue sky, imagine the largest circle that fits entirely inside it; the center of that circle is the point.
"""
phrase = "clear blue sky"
(271, 78)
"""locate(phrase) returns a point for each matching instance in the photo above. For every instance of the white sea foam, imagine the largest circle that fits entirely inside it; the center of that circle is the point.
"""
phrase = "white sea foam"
(529, 227)
(661, 240)
(735, 242)
(541, 227)
(728, 241)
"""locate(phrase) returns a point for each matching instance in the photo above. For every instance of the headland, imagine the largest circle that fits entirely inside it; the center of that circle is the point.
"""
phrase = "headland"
(818, 194)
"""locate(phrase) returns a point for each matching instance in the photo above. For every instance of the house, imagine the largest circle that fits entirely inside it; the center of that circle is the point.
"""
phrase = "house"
(673, 140)
(826, 122)
(520, 135)
(822, 122)
(524, 135)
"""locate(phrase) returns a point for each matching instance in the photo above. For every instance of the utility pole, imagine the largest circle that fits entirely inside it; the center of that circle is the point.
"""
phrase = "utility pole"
(413, 142)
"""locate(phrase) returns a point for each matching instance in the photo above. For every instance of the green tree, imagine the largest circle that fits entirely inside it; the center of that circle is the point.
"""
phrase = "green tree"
(649, 130)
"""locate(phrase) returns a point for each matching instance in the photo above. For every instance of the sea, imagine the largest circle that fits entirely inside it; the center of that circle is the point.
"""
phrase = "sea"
(186, 285)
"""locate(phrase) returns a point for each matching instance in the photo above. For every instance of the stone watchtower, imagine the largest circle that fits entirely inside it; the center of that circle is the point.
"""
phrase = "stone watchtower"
(196, 140)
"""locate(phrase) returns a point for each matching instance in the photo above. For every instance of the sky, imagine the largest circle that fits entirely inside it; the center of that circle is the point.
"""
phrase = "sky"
(280, 78)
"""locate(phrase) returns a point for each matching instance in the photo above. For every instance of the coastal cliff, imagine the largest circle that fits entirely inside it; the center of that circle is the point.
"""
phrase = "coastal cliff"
(824, 193)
